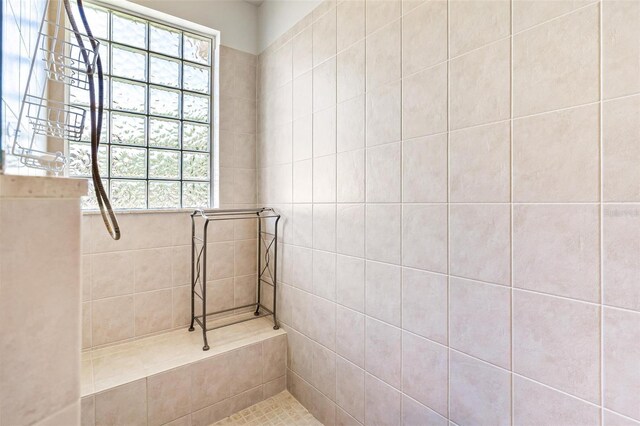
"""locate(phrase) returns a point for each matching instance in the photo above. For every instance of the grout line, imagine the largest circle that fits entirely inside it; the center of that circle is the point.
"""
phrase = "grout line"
(631, 420)
(620, 97)
(335, 220)
(402, 221)
(451, 349)
(448, 345)
(425, 406)
(601, 212)
(585, 6)
(511, 222)
(457, 129)
(366, 221)
(522, 289)
(454, 350)
(439, 203)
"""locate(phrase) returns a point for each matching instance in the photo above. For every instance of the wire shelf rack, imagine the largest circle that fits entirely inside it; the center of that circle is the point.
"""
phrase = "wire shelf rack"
(42, 160)
(64, 58)
(55, 119)
(43, 113)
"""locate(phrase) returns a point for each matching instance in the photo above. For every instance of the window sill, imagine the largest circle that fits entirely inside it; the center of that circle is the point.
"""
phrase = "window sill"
(146, 211)
(21, 186)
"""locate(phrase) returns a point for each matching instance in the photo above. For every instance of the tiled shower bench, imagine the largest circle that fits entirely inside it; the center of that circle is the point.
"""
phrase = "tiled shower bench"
(169, 379)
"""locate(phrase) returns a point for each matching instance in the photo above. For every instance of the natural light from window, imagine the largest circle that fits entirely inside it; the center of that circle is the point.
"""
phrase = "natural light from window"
(155, 150)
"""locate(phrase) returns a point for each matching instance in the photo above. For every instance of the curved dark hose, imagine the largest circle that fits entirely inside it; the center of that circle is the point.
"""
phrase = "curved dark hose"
(108, 215)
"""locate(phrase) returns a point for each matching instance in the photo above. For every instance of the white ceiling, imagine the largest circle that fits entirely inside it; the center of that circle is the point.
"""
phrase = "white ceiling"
(255, 2)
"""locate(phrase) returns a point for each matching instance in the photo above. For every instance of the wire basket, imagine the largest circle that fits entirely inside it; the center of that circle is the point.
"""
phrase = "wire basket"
(64, 58)
(37, 159)
(55, 119)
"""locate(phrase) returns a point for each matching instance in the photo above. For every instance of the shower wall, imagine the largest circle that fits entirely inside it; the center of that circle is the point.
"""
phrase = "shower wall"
(461, 194)
(140, 285)
(40, 300)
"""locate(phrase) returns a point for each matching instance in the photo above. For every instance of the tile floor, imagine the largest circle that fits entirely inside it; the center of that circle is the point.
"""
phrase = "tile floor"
(280, 410)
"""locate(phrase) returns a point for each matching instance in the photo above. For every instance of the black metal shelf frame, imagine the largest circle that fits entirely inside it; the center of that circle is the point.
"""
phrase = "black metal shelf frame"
(266, 271)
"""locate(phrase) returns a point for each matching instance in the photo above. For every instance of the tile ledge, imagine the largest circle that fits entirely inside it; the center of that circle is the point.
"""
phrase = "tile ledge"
(119, 212)
(117, 364)
(139, 211)
(17, 186)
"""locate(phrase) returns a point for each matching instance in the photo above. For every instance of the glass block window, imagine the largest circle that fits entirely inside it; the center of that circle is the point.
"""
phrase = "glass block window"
(155, 150)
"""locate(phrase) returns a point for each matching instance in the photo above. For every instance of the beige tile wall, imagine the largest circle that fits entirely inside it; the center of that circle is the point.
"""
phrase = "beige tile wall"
(40, 300)
(199, 393)
(461, 191)
(140, 285)
(237, 145)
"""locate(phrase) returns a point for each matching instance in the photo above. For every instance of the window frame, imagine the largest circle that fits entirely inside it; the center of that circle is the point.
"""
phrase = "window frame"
(153, 16)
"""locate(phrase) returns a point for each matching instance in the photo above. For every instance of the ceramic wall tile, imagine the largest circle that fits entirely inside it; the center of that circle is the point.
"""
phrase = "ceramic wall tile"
(566, 68)
(383, 59)
(324, 274)
(424, 304)
(383, 354)
(424, 37)
(383, 290)
(350, 335)
(556, 249)
(324, 227)
(556, 156)
(324, 371)
(351, 69)
(350, 23)
(126, 404)
(620, 61)
(112, 319)
(383, 174)
(475, 24)
(480, 242)
(382, 402)
(621, 267)
(480, 172)
(274, 358)
(621, 354)
(380, 12)
(555, 341)
(425, 362)
(414, 413)
(324, 37)
(534, 403)
(490, 386)
(620, 150)
(350, 229)
(351, 124)
(479, 164)
(424, 170)
(383, 114)
(424, 102)
(168, 396)
(383, 238)
(350, 388)
(424, 237)
(480, 87)
(480, 320)
(350, 275)
(153, 311)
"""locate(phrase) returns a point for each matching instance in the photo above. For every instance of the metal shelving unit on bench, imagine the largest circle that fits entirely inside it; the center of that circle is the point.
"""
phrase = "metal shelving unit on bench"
(267, 224)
